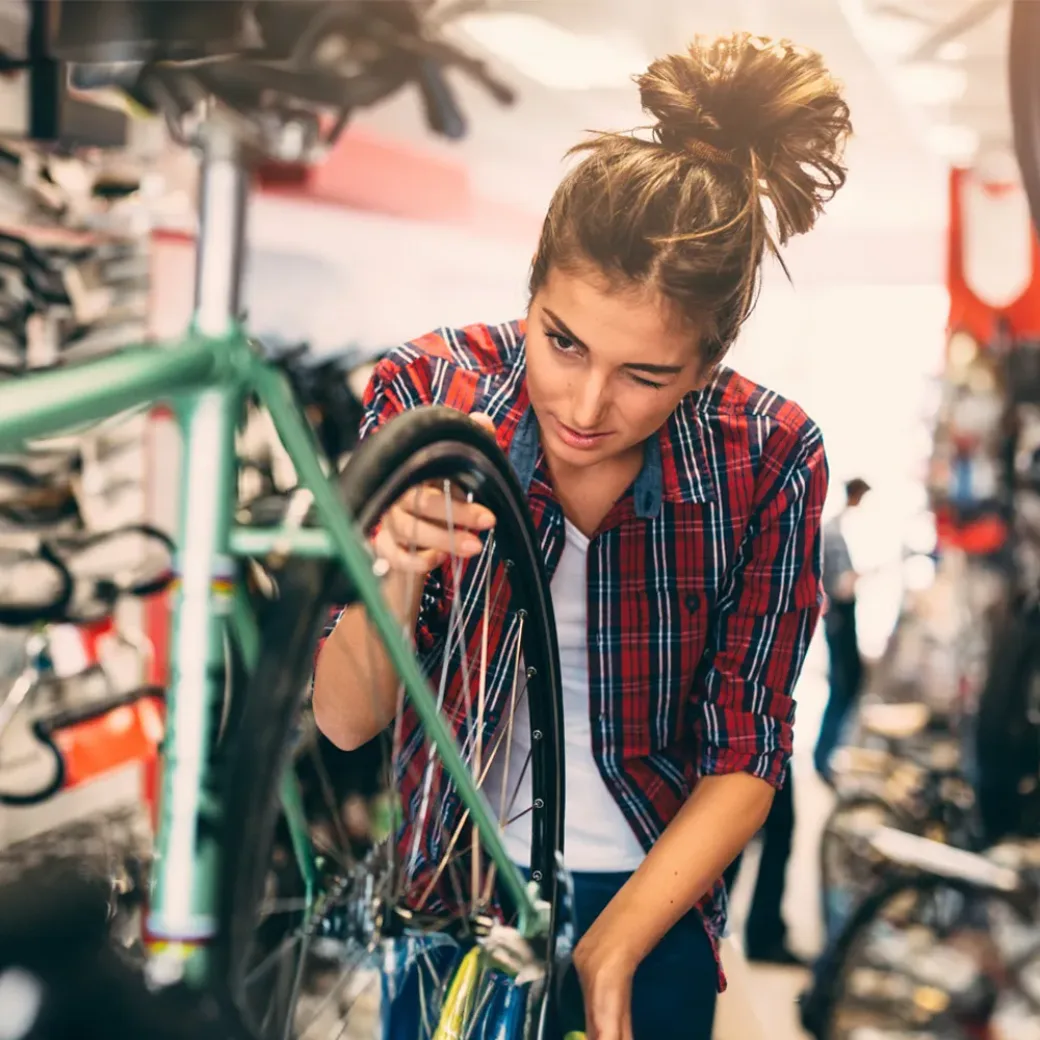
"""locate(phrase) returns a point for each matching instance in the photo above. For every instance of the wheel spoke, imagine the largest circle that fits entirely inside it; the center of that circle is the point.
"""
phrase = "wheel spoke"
(479, 722)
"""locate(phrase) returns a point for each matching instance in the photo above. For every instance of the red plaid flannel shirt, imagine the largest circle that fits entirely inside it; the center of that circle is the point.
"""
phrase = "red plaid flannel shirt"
(704, 580)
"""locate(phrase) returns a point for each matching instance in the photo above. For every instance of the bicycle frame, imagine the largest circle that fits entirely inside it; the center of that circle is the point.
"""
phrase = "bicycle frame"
(206, 377)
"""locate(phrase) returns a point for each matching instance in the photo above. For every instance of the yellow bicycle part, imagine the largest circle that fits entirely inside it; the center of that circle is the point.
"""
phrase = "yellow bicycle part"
(458, 1005)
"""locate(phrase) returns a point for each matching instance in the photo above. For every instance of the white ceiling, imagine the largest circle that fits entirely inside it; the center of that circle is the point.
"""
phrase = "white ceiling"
(895, 198)
(960, 48)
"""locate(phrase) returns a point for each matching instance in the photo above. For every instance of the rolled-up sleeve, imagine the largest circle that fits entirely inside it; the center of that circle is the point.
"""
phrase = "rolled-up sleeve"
(765, 616)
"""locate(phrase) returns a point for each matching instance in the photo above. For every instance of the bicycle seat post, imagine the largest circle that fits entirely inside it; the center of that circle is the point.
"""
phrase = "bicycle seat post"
(223, 190)
(182, 915)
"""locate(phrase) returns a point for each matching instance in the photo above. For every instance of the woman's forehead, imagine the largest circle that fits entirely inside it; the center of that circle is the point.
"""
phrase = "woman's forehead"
(625, 324)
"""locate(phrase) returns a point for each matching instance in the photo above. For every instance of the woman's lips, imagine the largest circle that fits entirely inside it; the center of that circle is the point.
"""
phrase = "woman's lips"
(576, 438)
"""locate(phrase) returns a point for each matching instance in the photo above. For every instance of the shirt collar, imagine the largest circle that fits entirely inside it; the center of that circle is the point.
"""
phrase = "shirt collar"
(649, 485)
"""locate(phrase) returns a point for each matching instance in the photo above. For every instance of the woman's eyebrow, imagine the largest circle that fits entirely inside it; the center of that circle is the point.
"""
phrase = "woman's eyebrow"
(562, 326)
(657, 370)
(632, 366)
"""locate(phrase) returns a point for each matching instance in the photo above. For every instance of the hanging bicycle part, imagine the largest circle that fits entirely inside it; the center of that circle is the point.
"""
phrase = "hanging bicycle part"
(50, 730)
(79, 578)
(293, 72)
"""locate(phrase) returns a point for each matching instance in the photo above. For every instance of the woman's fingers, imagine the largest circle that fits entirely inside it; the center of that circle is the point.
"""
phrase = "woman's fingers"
(429, 502)
(412, 533)
(484, 420)
(404, 560)
(432, 522)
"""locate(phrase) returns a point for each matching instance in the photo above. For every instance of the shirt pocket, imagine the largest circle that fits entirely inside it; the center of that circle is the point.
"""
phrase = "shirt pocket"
(661, 656)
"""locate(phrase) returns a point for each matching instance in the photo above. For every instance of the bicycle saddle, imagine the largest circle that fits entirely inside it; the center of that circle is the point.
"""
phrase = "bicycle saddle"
(153, 30)
(895, 721)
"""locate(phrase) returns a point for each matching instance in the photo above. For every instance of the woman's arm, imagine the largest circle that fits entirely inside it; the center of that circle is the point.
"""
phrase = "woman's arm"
(718, 820)
(355, 685)
(742, 712)
(355, 691)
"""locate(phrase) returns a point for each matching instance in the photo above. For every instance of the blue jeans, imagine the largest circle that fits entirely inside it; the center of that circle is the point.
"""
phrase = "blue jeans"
(846, 678)
(673, 993)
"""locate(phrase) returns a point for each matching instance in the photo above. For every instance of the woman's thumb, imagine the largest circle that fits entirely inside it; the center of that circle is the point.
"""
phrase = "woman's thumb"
(483, 420)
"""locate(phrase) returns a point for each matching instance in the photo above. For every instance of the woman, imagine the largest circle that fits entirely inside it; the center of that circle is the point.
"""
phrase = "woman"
(682, 501)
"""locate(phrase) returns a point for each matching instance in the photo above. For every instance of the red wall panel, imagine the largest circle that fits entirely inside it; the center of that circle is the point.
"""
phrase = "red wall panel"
(367, 172)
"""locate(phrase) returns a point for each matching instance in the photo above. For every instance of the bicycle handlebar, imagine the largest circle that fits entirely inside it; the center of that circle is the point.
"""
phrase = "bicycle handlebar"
(21, 615)
(56, 552)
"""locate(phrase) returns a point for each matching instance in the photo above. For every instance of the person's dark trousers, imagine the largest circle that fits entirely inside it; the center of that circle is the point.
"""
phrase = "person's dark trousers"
(765, 933)
(846, 677)
(674, 990)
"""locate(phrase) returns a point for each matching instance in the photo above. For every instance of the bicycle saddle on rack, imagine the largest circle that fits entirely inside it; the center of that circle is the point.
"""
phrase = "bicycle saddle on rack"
(153, 30)
(269, 59)
(895, 721)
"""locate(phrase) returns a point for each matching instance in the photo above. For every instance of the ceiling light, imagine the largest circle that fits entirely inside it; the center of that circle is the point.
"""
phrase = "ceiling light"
(954, 142)
(928, 84)
(554, 56)
(894, 34)
(952, 50)
(898, 34)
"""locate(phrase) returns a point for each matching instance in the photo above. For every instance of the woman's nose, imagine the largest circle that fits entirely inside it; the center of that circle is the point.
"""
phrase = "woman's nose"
(590, 404)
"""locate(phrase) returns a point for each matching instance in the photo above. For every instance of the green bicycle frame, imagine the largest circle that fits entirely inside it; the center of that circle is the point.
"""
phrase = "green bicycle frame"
(206, 378)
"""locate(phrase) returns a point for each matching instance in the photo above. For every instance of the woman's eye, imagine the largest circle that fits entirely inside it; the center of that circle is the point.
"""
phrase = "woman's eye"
(562, 343)
(648, 382)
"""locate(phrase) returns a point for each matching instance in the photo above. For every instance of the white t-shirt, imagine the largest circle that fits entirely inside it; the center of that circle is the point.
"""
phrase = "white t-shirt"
(597, 837)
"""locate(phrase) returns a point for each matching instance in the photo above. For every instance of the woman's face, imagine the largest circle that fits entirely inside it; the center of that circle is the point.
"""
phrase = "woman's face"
(605, 370)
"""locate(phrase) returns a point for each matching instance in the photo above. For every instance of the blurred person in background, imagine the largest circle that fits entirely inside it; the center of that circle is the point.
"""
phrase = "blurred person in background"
(839, 626)
(678, 503)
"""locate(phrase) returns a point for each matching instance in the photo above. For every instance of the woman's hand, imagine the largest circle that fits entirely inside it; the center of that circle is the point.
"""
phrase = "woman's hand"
(605, 969)
(423, 528)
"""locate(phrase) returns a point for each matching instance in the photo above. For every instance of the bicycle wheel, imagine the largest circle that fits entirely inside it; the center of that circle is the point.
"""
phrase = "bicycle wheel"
(929, 957)
(403, 887)
(849, 865)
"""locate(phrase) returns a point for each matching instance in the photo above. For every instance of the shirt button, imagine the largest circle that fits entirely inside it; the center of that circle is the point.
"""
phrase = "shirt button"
(693, 601)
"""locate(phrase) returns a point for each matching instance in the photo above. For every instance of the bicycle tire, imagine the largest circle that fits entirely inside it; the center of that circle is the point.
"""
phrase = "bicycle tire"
(819, 1005)
(419, 445)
